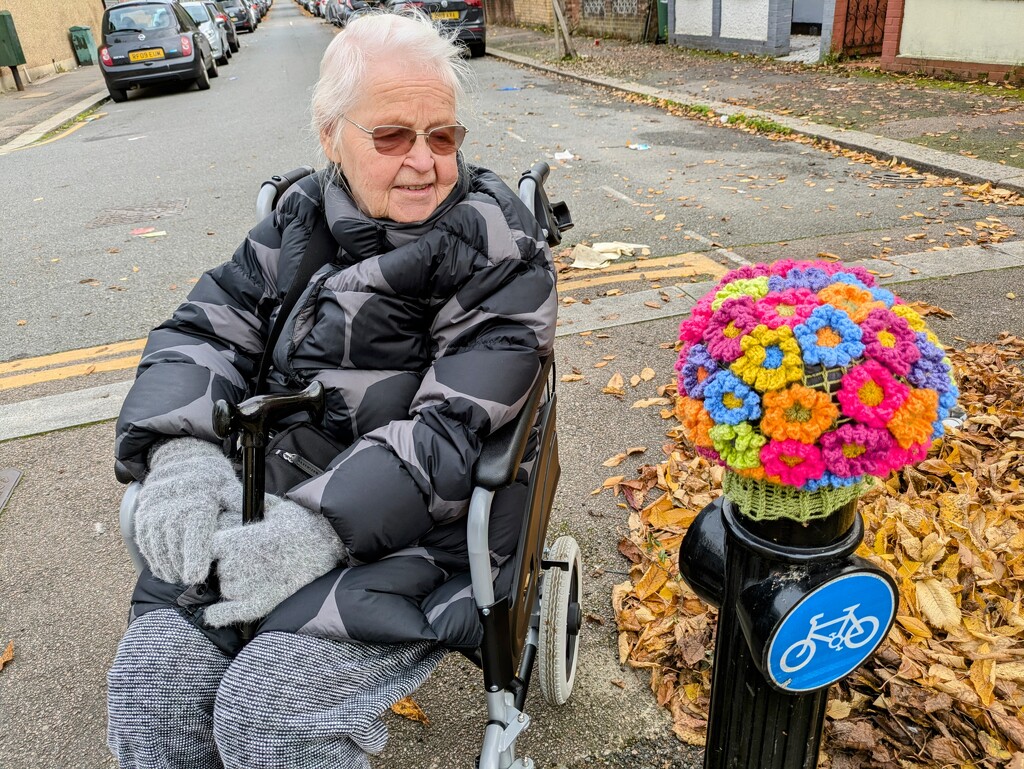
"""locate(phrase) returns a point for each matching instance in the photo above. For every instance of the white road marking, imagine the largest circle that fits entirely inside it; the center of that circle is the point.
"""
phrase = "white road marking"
(619, 195)
(517, 137)
(727, 253)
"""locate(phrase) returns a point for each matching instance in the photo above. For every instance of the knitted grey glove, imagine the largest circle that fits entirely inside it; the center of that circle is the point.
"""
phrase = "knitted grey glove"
(261, 564)
(189, 485)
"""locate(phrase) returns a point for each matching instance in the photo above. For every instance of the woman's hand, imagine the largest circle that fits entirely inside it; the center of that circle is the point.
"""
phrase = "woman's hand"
(189, 485)
(262, 563)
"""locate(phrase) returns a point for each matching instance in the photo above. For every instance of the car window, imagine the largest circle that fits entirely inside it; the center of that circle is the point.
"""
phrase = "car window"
(139, 18)
(184, 18)
(198, 12)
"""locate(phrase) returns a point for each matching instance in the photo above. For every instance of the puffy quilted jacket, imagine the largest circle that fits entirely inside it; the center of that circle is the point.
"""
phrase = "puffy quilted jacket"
(426, 337)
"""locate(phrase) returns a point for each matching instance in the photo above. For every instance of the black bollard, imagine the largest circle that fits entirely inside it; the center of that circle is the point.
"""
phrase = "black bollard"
(798, 612)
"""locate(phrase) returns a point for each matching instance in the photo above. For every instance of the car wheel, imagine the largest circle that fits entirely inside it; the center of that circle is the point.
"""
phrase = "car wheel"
(212, 71)
(223, 60)
(118, 94)
(476, 50)
(203, 81)
(234, 46)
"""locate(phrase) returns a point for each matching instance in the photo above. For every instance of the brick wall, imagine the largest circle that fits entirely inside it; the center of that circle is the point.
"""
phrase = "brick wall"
(960, 70)
(599, 18)
(43, 31)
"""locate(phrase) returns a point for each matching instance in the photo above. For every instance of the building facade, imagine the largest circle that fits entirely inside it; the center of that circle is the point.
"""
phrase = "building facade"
(42, 27)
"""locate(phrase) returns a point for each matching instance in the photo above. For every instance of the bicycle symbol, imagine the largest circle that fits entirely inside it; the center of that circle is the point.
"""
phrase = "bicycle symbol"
(853, 633)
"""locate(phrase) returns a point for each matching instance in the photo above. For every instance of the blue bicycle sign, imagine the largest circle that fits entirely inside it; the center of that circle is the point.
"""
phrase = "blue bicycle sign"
(814, 645)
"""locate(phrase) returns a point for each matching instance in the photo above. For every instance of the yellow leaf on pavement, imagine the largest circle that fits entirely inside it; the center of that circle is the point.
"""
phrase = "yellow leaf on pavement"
(914, 626)
(614, 461)
(938, 605)
(983, 677)
(677, 517)
(648, 374)
(408, 708)
(651, 582)
(615, 386)
(8, 655)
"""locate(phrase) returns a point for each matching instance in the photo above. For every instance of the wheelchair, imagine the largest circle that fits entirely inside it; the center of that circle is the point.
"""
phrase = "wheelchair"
(537, 622)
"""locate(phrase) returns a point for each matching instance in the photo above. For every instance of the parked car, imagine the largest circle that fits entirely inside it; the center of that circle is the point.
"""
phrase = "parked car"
(340, 12)
(224, 18)
(152, 41)
(216, 34)
(467, 16)
(240, 13)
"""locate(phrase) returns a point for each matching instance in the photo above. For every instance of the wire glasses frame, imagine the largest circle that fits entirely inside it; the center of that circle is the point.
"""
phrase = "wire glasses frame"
(399, 140)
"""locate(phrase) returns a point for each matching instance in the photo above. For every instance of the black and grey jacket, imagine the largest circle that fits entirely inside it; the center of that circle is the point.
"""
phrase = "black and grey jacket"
(426, 337)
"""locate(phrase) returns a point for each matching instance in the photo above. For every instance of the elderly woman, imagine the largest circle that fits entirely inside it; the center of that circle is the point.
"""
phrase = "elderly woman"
(427, 328)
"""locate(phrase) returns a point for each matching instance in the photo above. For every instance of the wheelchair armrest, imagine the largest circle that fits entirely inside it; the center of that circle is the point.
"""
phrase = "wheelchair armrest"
(503, 450)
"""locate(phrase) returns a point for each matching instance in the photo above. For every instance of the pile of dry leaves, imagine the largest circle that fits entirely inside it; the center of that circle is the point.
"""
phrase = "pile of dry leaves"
(947, 686)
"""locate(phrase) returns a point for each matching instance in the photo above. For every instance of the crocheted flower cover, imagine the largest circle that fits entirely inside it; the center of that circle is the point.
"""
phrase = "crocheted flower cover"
(804, 378)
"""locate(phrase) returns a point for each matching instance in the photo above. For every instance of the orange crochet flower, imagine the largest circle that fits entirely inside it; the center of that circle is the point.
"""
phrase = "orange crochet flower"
(754, 473)
(797, 413)
(855, 302)
(696, 421)
(913, 421)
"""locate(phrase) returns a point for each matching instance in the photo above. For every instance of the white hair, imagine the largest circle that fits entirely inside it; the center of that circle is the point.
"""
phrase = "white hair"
(410, 37)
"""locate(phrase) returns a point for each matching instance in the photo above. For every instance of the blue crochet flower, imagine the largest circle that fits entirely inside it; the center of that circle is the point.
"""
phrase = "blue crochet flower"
(844, 352)
(830, 480)
(729, 401)
(883, 295)
(846, 277)
(811, 278)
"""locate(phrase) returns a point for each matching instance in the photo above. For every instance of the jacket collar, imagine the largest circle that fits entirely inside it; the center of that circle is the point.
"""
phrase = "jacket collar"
(360, 236)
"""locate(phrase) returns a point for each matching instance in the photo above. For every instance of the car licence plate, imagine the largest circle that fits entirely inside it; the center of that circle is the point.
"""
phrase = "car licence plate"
(437, 15)
(152, 53)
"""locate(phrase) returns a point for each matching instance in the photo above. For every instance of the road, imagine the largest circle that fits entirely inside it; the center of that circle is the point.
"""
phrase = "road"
(77, 278)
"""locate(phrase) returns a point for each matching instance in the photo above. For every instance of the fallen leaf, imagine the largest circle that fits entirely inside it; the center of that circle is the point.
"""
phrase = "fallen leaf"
(615, 386)
(938, 605)
(8, 654)
(648, 374)
(407, 708)
(571, 378)
(647, 403)
(614, 461)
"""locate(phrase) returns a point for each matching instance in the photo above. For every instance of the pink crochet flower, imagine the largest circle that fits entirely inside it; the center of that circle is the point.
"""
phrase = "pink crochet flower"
(900, 457)
(870, 394)
(731, 322)
(792, 462)
(853, 450)
(787, 308)
(889, 339)
(692, 329)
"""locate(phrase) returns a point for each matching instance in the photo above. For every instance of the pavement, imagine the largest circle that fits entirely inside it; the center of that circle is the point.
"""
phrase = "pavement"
(27, 116)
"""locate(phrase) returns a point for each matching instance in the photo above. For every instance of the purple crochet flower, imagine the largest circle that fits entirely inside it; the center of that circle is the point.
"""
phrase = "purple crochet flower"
(889, 340)
(697, 371)
(735, 319)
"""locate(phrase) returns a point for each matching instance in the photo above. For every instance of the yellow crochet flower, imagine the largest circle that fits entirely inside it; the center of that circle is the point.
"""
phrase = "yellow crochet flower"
(771, 359)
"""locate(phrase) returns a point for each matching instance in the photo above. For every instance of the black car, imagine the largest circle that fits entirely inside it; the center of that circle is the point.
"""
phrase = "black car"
(240, 13)
(466, 16)
(341, 12)
(152, 41)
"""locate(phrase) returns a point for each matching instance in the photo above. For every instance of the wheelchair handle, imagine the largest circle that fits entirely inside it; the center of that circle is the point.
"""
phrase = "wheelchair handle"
(554, 218)
(252, 420)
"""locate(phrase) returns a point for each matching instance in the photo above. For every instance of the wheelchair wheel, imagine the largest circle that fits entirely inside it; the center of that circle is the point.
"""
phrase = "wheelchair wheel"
(560, 619)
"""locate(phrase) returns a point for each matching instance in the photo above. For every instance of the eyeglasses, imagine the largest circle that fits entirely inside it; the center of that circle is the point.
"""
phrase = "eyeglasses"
(398, 140)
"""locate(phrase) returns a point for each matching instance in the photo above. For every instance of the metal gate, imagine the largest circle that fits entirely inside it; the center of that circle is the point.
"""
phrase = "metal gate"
(865, 27)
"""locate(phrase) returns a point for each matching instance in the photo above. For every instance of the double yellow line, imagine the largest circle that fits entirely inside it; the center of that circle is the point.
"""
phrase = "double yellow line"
(73, 363)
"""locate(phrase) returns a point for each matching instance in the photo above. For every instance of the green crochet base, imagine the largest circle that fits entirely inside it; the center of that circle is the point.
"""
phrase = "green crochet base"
(763, 501)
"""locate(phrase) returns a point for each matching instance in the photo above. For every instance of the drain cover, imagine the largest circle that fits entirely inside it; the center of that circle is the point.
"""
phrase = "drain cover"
(893, 178)
(144, 213)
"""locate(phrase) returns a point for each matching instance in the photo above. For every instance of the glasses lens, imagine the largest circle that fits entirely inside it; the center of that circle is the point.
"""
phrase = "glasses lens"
(393, 140)
(446, 139)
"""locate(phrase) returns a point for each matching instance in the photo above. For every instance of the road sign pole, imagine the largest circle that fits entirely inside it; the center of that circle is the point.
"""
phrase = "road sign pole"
(798, 611)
